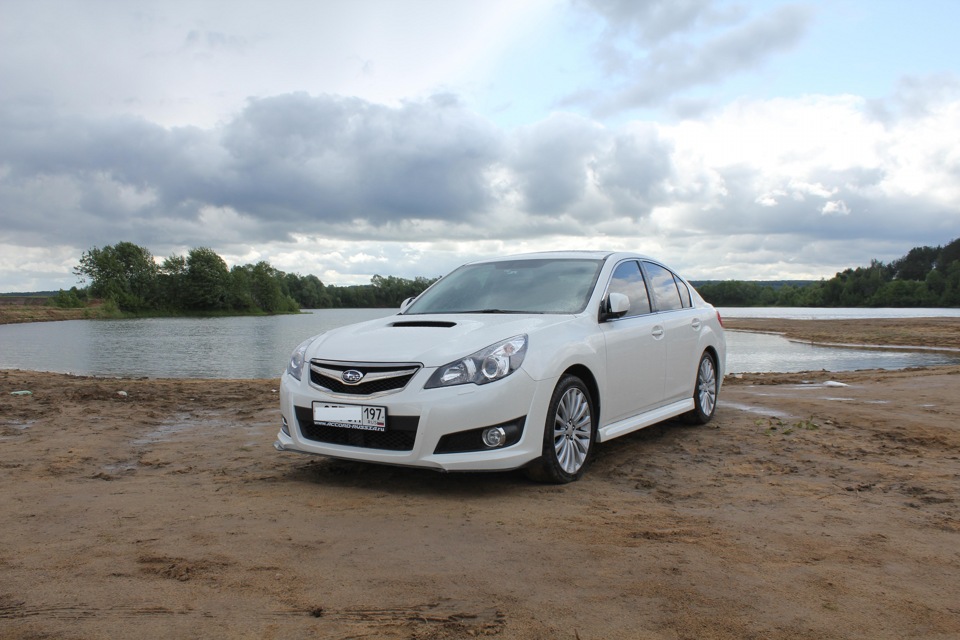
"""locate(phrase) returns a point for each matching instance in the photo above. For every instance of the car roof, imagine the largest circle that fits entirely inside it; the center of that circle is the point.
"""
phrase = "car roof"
(561, 255)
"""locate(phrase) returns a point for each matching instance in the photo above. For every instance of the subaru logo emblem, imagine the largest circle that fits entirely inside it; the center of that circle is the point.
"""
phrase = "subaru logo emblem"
(351, 376)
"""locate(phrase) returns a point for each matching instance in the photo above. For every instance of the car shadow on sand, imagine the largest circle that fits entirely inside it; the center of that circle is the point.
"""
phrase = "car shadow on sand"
(608, 457)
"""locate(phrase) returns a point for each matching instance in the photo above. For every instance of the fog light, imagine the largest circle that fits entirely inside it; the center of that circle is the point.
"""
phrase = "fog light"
(494, 437)
(283, 425)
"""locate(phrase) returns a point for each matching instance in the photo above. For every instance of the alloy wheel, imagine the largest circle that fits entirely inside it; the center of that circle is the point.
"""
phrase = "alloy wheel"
(707, 385)
(572, 430)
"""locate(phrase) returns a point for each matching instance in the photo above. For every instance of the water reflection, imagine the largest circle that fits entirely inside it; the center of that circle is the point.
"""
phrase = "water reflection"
(246, 347)
(258, 347)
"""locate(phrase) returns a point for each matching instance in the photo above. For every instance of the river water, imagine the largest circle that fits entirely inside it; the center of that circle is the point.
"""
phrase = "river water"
(258, 347)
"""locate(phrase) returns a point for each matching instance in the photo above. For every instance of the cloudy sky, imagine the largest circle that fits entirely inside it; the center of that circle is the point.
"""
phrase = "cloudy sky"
(753, 139)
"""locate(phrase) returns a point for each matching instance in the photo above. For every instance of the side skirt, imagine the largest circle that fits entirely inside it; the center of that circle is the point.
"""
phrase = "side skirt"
(642, 420)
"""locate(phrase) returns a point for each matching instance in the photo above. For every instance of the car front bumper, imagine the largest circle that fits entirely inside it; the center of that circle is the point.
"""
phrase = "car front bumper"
(433, 413)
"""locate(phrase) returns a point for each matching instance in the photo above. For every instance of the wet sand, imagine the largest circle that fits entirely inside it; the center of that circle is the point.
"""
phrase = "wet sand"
(815, 505)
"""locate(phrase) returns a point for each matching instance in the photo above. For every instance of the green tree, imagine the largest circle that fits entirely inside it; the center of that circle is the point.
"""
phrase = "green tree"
(68, 299)
(936, 283)
(949, 255)
(240, 297)
(308, 291)
(951, 290)
(265, 288)
(172, 282)
(788, 296)
(918, 262)
(124, 273)
(812, 295)
(207, 280)
(902, 293)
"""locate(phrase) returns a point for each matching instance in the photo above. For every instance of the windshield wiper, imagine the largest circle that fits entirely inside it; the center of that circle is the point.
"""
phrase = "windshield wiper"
(494, 311)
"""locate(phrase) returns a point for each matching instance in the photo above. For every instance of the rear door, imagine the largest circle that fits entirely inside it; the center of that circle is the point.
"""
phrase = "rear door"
(681, 326)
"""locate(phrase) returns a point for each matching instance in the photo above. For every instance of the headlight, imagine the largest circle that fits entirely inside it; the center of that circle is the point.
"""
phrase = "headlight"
(295, 366)
(493, 363)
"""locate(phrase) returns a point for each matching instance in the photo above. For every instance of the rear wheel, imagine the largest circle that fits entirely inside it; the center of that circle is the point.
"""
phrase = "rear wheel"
(706, 390)
(568, 435)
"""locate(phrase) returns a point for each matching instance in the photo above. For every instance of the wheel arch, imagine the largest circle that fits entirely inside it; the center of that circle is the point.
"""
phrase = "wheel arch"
(717, 364)
(586, 376)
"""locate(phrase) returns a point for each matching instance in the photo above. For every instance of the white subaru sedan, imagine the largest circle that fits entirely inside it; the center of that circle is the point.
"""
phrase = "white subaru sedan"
(523, 361)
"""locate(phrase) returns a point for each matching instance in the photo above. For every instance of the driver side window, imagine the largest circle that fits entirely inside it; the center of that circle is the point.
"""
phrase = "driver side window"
(628, 280)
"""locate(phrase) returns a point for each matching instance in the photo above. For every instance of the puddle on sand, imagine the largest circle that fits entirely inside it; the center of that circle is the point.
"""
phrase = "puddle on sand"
(764, 411)
(121, 468)
(164, 432)
(839, 399)
(14, 428)
(20, 425)
(177, 424)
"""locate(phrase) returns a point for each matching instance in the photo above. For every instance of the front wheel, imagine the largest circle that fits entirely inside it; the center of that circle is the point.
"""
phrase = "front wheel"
(568, 435)
(705, 392)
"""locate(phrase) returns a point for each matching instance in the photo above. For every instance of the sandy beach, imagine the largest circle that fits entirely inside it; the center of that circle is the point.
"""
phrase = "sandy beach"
(815, 506)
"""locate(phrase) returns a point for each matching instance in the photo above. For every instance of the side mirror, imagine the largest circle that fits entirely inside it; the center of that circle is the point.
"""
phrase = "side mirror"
(406, 303)
(615, 306)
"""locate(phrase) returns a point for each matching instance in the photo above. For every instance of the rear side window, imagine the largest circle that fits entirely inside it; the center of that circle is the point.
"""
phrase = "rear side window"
(664, 287)
(628, 280)
(684, 292)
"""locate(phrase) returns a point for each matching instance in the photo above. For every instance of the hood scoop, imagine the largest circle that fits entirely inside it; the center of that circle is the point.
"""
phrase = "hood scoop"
(442, 324)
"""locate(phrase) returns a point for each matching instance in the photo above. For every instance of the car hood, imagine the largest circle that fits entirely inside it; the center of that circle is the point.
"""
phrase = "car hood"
(432, 340)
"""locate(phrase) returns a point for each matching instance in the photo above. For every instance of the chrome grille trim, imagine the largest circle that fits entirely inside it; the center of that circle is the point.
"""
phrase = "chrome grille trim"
(367, 377)
(379, 378)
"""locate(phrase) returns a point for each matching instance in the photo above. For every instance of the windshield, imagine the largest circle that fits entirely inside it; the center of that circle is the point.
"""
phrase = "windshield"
(550, 285)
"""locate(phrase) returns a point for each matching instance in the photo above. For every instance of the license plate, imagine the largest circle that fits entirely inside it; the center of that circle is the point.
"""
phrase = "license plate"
(350, 416)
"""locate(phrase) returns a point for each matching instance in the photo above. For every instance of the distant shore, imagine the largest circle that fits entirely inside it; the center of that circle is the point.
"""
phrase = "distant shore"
(14, 314)
(928, 333)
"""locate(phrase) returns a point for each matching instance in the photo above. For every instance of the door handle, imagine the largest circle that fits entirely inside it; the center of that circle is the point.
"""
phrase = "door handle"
(696, 324)
(657, 332)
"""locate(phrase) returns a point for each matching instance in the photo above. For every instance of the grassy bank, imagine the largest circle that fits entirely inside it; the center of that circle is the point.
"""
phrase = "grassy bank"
(13, 314)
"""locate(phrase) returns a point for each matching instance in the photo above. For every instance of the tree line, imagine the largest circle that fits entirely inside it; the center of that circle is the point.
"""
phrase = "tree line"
(924, 277)
(127, 276)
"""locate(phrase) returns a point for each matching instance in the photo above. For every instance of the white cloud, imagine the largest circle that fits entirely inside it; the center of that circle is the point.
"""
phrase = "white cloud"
(835, 207)
(655, 51)
(383, 184)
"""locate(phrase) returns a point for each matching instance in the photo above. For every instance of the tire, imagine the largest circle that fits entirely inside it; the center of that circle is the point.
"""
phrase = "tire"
(569, 434)
(705, 391)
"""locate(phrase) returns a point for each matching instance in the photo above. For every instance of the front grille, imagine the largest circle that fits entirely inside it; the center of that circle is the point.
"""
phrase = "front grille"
(400, 435)
(377, 378)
